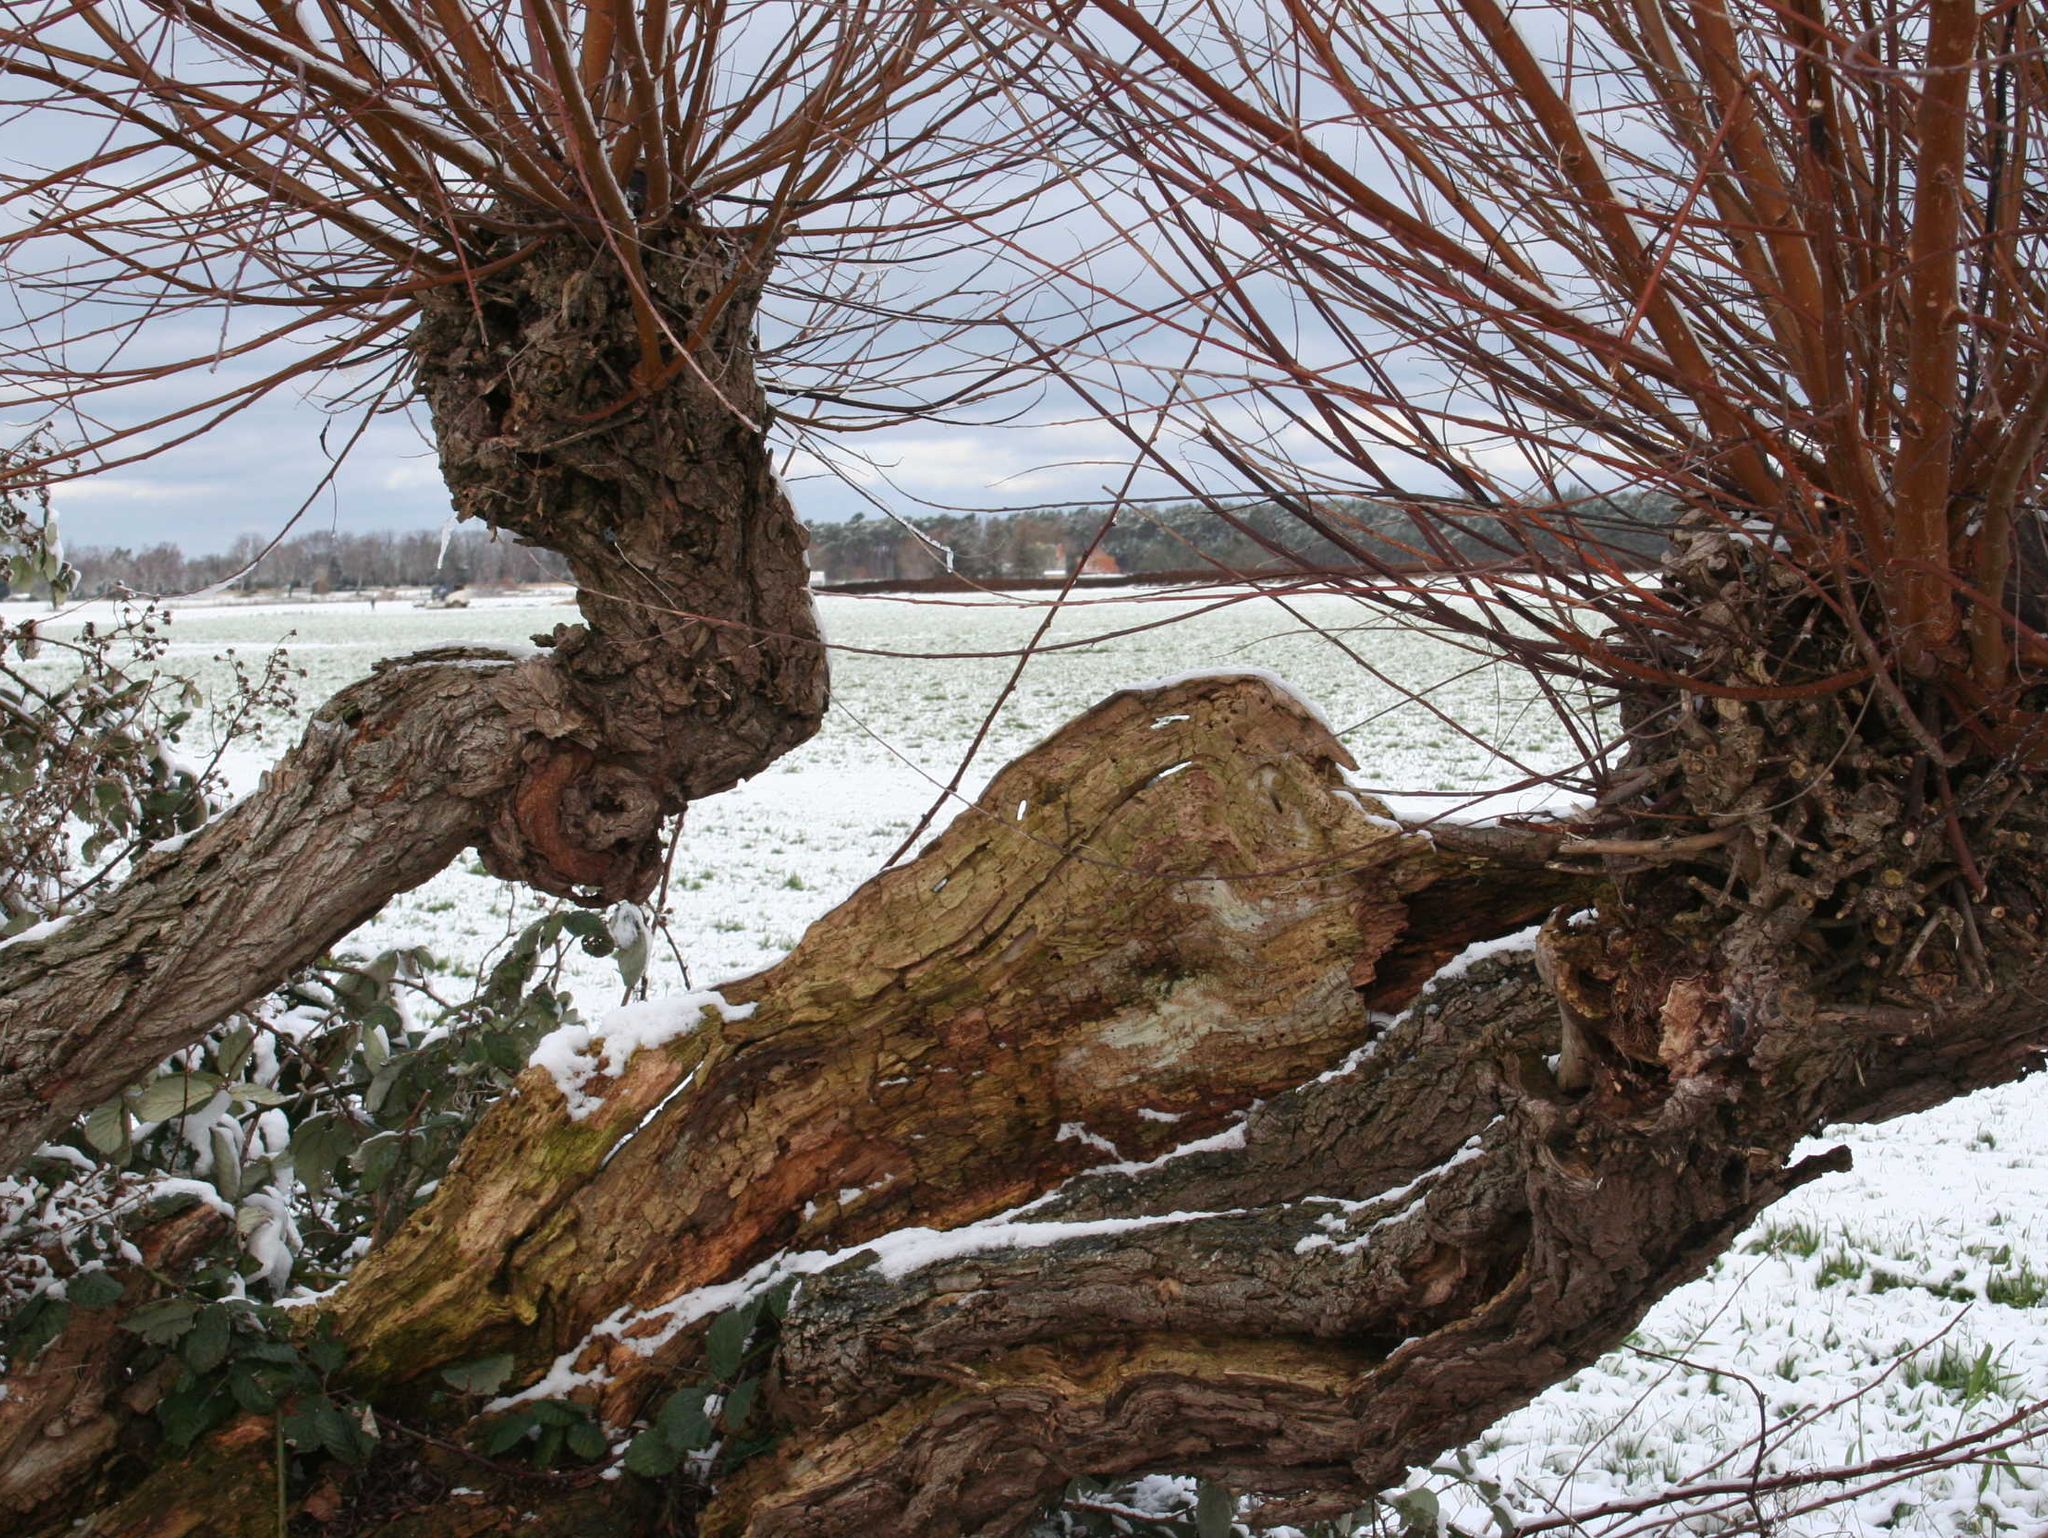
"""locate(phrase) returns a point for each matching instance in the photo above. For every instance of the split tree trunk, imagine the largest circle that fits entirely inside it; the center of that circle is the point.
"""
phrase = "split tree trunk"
(1098, 1147)
(697, 665)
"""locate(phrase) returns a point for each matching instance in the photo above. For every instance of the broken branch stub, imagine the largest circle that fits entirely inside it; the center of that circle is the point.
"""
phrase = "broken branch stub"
(1145, 924)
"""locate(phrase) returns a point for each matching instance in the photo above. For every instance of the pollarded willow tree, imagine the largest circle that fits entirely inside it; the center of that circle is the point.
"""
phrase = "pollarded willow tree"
(1781, 265)
(555, 226)
(1780, 268)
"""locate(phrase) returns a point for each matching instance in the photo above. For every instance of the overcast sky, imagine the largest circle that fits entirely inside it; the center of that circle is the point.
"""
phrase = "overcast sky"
(252, 473)
(249, 476)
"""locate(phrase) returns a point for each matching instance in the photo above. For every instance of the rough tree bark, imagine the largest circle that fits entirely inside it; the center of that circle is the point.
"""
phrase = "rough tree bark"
(1377, 1223)
(697, 664)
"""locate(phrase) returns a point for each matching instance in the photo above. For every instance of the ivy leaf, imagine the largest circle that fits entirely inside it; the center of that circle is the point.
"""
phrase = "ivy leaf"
(275, 1353)
(162, 1322)
(251, 1392)
(339, 1433)
(629, 932)
(382, 1079)
(586, 1441)
(1215, 1511)
(225, 1140)
(726, 1342)
(93, 1289)
(325, 1352)
(652, 1455)
(739, 1403)
(497, 1049)
(175, 1094)
(632, 961)
(682, 1421)
(234, 1047)
(506, 1433)
(376, 1158)
(41, 1321)
(318, 1144)
(592, 931)
(486, 1375)
(106, 1130)
(320, 1423)
(189, 1413)
(205, 1346)
(548, 1447)
(1418, 1510)
(257, 1094)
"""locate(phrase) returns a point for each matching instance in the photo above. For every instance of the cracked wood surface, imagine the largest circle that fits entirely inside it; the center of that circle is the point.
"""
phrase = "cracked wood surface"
(1155, 918)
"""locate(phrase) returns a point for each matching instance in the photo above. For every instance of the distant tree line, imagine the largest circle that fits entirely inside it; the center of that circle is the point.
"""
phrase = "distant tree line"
(322, 562)
(983, 547)
(996, 547)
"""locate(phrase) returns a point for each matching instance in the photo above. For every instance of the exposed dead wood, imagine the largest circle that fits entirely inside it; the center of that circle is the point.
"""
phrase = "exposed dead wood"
(1144, 925)
(64, 1421)
(1151, 922)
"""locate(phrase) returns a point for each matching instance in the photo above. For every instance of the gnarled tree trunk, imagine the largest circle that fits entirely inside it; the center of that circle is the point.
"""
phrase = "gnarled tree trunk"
(698, 663)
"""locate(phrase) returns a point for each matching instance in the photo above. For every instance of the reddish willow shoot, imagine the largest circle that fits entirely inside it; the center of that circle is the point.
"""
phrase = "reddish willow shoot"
(1782, 266)
(215, 182)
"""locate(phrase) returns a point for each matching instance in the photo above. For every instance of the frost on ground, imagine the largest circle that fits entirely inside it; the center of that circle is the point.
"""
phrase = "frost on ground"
(1900, 1305)
(1937, 1236)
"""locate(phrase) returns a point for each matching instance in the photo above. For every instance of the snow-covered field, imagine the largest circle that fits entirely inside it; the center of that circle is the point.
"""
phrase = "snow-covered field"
(1939, 1231)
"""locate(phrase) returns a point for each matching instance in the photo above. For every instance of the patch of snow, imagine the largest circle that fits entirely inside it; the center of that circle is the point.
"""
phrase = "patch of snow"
(653, 1111)
(1217, 1142)
(577, 1053)
(1379, 1024)
(65, 1153)
(177, 841)
(1482, 950)
(1415, 812)
(40, 931)
(894, 1255)
(912, 1249)
(1411, 1194)
(1074, 1132)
